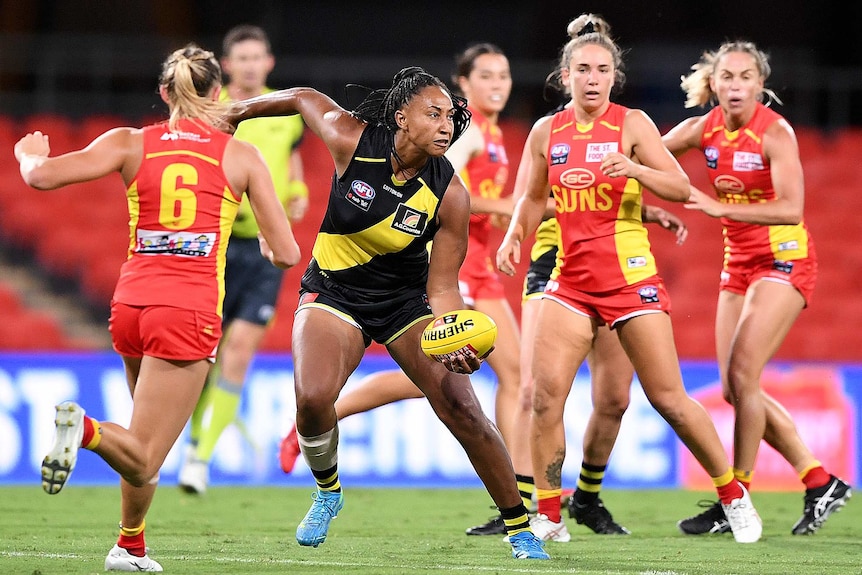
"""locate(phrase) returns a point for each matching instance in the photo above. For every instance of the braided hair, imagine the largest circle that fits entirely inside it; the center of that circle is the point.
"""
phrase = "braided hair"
(379, 106)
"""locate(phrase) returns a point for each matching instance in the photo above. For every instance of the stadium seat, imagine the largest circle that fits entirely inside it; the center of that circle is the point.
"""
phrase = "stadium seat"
(31, 330)
(10, 301)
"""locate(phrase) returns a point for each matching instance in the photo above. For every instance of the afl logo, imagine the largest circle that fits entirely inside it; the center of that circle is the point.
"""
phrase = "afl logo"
(559, 154)
(711, 153)
(577, 178)
(728, 184)
(362, 190)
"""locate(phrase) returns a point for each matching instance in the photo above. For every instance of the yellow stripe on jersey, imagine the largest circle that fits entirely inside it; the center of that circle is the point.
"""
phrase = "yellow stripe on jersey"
(334, 252)
(561, 128)
(134, 202)
(197, 155)
(229, 209)
(789, 242)
(370, 160)
(632, 242)
(546, 238)
(610, 126)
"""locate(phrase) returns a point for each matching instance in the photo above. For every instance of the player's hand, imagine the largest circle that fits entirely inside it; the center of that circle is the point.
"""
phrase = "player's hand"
(265, 250)
(465, 363)
(508, 255)
(33, 144)
(616, 165)
(667, 220)
(708, 205)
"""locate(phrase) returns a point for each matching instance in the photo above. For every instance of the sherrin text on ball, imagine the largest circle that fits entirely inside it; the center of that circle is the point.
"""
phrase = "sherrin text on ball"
(455, 333)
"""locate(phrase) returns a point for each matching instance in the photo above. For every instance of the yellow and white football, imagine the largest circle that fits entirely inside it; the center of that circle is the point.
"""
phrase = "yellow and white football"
(456, 332)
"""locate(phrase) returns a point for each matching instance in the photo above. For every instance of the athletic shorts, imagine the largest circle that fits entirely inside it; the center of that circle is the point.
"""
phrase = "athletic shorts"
(801, 274)
(251, 283)
(539, 273)
(164, 332)
(478, 279)
(647, 296)
(381, 319)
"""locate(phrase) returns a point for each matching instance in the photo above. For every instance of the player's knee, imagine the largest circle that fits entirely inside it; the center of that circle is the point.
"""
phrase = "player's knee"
(611, 405)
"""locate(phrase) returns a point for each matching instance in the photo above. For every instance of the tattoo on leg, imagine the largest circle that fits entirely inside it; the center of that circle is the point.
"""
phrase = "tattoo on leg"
(554, 471)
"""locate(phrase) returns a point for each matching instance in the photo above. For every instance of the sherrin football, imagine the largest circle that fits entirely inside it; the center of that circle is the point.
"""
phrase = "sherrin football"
(456, 332)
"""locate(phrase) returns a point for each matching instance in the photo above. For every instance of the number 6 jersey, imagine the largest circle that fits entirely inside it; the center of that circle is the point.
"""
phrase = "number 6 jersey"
(181, 208)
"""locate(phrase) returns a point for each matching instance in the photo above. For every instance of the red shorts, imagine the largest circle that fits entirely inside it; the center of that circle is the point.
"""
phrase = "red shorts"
(478, 279)
(647, 296)
(164, 332)
(801, 274)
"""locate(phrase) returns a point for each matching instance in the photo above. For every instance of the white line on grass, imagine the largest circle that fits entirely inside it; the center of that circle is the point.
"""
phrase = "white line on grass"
(305, 562)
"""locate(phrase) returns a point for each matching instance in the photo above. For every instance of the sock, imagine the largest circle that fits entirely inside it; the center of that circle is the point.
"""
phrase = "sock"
(526, 487)
(196, 427)
(327, 480)
(132, 539)
(92, 433)
(589, 483)
(814, 476)
(549, 503)
(516, 519)
(225, 402)
(728, 487)
(743, 477)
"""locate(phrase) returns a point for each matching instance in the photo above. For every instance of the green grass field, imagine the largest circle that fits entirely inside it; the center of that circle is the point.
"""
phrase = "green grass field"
(388, 532)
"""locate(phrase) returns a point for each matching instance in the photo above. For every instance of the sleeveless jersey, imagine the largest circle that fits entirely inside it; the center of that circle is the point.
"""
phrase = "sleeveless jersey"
(374, 236)
(603, 242)
(181, 208)
(485, 176)
(275, 137)
(740, 173)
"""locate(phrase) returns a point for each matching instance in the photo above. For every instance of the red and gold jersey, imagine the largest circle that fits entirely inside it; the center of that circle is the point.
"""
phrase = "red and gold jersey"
(740, 173)
(603, 242)
(181, 208)
(485, 176)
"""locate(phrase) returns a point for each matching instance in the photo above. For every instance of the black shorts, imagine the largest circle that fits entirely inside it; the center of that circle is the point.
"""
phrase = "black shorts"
(251, 283)
(539, 273)
(381, 319)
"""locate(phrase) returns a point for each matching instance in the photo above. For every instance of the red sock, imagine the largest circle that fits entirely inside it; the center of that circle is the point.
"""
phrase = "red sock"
(730, 491)
(92, 433)
(816, 477)
(134, 544)
(550, 507)
(746, 484)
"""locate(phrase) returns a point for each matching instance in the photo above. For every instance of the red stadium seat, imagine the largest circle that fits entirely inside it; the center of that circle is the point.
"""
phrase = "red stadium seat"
(30, 330)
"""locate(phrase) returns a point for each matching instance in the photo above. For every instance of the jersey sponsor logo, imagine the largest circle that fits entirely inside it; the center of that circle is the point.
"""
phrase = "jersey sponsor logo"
(590, 199)
(577, 178)
(747, 162)
(393, 191)
(560, 154)
(189, 244)
(360, 194)
(636, 262)
(597, 151)
(191, 136)
(649, 294)
(711, 155)
(788, 245)
(782, 266)
(726, 184)
(409, 220)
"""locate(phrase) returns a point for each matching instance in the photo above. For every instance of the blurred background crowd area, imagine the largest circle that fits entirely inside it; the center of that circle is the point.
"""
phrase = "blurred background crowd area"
(74, 69)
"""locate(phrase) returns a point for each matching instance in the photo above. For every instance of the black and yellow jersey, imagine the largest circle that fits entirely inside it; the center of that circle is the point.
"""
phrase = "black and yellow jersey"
(374, 236)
